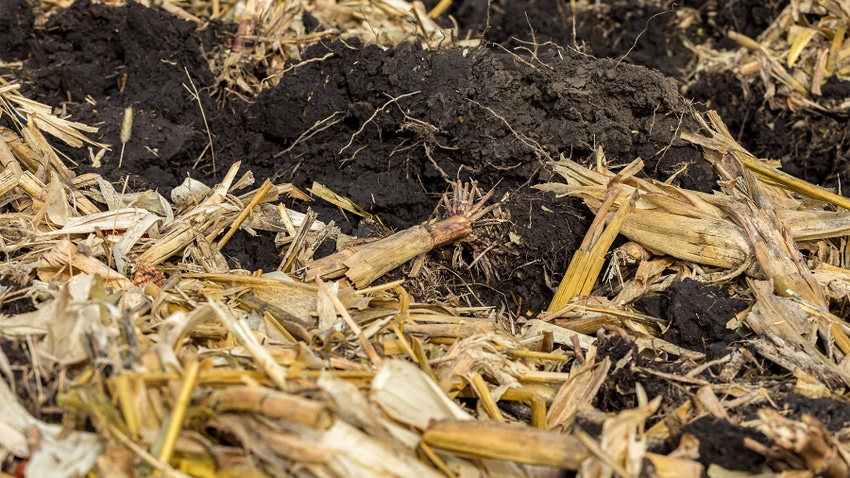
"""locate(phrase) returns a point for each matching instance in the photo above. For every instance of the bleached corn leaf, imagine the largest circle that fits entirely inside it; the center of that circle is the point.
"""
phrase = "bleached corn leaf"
(191, 190)
(151, 201)
(409, 396)
(118, 220)
(326, 310)
(30, 323)
(131, 236)
(353, 453)
(110, 196)
(77, 322)
(175, 328)
(355, 409)
(57, 204)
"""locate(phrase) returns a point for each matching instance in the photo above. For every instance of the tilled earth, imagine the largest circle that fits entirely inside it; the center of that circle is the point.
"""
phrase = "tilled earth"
(391, 128)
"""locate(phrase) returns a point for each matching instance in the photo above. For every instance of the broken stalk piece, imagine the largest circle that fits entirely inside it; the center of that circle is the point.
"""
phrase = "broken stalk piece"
(588, 260)
(366, 263)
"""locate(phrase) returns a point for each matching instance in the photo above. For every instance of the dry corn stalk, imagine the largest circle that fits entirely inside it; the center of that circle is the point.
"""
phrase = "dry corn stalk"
(66, 255)
(668, 220)
(273, 404)
(750, 203)
(517, 443)
(369, 262)
(776, 252)
(588, 260)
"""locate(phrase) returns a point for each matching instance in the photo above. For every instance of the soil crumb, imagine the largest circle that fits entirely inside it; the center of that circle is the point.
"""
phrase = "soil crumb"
(698, 314)
(722, 443)
(834, 414)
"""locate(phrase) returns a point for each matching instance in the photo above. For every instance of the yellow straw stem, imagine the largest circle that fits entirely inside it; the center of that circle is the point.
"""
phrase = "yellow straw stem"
(258, 196)
(179, 411)
(125, 395)
(538, 414)
(483, 393)
(587, 262)
(440, 8)
(795, 184)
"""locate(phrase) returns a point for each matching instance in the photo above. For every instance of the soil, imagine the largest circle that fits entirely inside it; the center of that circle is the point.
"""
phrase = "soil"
(618, 391)
(697, 314)
(648, 33)
(833, 413)
(13, 299)
(651, 34)
(404, 122)
(722, 443)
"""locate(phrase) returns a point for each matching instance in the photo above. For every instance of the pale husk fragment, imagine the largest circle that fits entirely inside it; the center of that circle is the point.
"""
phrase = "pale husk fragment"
(577, 392)
(60, 453)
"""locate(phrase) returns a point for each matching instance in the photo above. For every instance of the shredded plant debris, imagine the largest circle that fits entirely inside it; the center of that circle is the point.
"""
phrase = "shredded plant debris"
(692, 331)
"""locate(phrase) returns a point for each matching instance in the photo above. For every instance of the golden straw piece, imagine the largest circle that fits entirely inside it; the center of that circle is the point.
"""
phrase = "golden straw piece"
(273, 404)
(486, 398)
(518, 443)
(179, 411)
(258, 196)
(588, 260)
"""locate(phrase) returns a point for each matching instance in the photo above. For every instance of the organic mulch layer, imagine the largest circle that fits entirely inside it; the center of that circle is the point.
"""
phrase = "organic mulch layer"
(355, 242)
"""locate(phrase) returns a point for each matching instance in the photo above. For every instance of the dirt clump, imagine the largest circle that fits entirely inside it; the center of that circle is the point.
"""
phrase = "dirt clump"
(697, 314)
(722, 443)
(16, 23)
